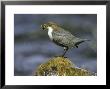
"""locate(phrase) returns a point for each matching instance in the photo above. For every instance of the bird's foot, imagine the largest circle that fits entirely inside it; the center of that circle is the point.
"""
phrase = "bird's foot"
(60, 56)
(64, 57)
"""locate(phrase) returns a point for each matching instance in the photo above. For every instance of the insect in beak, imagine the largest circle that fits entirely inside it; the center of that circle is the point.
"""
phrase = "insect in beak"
(44, 26)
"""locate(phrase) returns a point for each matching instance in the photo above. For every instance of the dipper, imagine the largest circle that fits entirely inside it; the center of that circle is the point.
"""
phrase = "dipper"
(61, 36)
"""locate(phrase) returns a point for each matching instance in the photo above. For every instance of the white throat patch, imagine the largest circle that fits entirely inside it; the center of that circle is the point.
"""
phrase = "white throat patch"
(50, 32)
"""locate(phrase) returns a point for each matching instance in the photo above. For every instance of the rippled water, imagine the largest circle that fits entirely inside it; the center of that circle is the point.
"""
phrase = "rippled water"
(33, 46)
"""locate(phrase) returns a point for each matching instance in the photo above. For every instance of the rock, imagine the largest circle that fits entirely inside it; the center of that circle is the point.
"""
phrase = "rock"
(60, 66)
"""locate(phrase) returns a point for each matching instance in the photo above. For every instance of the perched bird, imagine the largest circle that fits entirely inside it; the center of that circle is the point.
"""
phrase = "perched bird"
(61, 36)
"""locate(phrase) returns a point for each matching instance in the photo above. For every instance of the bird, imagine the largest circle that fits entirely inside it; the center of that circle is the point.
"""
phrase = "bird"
(62, 37)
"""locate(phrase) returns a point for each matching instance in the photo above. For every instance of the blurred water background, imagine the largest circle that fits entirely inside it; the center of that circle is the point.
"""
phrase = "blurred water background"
(32, 45)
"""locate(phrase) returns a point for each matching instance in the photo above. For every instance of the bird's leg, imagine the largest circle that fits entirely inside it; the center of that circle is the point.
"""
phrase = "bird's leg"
(65, 50)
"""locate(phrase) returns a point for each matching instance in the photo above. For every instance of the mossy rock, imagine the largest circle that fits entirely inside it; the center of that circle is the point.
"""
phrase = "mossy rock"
(60, 66)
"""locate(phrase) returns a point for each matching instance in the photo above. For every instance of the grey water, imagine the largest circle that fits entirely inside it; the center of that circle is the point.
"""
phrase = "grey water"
(32, 45)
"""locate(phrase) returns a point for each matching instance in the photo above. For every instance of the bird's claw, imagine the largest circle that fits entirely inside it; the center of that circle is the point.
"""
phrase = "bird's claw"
(61, 56)
(64, 57)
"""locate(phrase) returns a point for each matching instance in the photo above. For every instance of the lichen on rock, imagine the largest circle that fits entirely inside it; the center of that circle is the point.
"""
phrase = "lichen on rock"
(60, 66)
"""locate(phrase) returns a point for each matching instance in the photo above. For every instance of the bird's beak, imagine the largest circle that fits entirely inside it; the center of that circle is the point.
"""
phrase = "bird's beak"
(44, 26)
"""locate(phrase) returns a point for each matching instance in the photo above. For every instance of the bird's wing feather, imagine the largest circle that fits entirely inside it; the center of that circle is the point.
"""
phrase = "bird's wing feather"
(66, 39)
(63, 38)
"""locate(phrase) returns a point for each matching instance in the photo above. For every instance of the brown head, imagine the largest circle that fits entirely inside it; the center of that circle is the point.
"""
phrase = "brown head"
(49, 24)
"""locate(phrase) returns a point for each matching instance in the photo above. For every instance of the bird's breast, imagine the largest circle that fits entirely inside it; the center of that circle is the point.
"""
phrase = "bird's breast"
(50, 30)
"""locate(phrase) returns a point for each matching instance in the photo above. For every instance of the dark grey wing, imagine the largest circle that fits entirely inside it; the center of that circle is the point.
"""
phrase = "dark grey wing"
(73, 40)
(63, 38)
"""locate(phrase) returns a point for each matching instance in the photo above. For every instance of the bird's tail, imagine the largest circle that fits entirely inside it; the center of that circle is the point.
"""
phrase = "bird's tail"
(80, 41)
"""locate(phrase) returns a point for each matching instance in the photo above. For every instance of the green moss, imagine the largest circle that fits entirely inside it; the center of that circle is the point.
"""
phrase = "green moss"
(60, 66)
